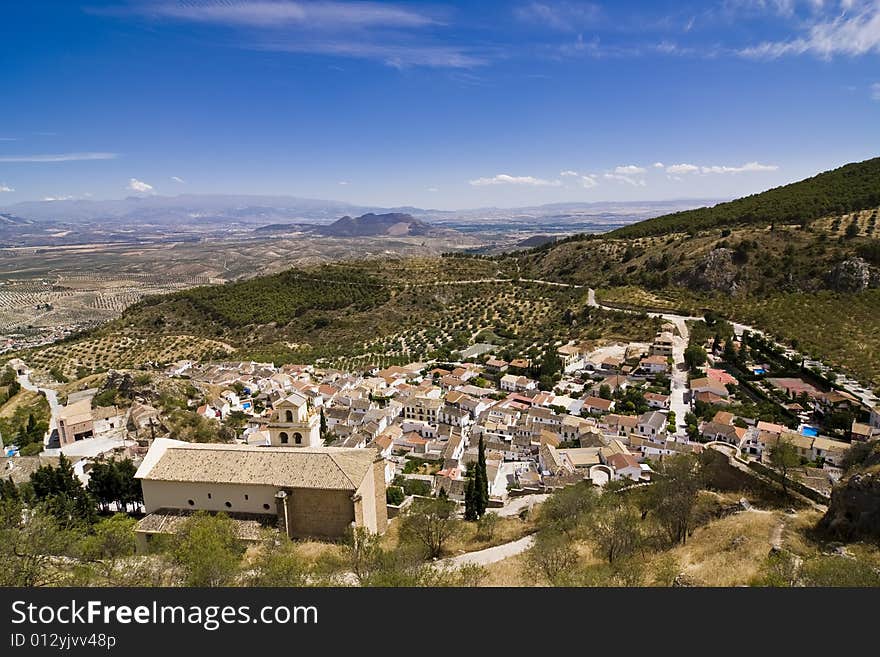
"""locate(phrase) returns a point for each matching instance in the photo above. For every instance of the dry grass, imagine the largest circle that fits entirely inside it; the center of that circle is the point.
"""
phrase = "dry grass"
(506, 531)
(24, 398)
(729, 551)
(508, 572)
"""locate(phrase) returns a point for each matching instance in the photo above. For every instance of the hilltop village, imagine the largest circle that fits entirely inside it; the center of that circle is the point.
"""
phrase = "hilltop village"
(316, 452)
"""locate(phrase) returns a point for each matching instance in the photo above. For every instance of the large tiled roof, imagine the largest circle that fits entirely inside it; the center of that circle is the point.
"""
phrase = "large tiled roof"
(319, 467)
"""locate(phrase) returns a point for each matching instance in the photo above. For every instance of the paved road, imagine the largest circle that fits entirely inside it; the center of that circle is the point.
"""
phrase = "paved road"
(51, 397)
(492, 554)
(678, 381)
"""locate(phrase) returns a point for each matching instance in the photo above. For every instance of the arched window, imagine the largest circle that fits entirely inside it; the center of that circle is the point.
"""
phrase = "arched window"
(297, 438)
(284, 437)
(289, 416)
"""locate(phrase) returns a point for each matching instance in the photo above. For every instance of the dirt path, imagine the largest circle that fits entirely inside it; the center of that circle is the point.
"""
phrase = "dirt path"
(492, 554)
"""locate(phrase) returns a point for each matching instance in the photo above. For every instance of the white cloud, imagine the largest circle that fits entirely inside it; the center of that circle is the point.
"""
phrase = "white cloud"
(585, 180)
(629, 170)
(658, 165)
(368, 30)
(6, 188)
(139, 186)
(853, 31)
(343, 182)
(875, 91)
(59, 157)
(314, 15)
(682, 168)
(505, 179)
(635, 182)
(589, 181)
(749, 167)
(58, 198)
(177, 179)
(433, 189)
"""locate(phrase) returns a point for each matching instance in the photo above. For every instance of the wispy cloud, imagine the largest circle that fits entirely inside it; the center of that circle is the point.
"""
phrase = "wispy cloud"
(748, 167)
(505, 179)
(343, 182)
(853, 31)
(629, 180)
(8, 138)
(58, 198)
(433, 189)
(138, 186)
(875, 91)
(562, 16)
(396, 56)
(177, 179)
(587, 180)
(658, 165)
(395, 34)
(273, 13)
(6, 188)
(59, 157)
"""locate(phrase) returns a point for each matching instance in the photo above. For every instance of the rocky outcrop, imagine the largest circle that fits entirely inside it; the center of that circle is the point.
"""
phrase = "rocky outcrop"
(715, 272)
(372, 225)
(853, 275)
(854, 512)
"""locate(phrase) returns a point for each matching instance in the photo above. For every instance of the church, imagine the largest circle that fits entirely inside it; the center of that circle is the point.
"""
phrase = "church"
(295, 422)
(305, 491)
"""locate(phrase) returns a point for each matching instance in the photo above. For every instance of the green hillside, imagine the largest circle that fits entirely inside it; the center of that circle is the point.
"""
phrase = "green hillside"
(850, 188)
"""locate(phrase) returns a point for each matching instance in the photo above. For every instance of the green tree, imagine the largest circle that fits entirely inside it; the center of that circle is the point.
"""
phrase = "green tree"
(566, 510)
(279, 563)
(605, 391)
(486, 526)
(552, 556)
(616, 529)
(430, 523)
(695, 356)
(783, 457)
(394, 495)
(470, 499)
(481, 480)
(29, 543)
(207, 550)
(673, 495)
(62, 493)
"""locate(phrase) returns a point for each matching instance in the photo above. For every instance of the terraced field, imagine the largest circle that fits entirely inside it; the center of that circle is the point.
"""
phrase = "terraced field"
(121, 351)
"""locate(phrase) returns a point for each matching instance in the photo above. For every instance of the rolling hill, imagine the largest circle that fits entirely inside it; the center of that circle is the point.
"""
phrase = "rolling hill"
(849, 188)
(372, 225)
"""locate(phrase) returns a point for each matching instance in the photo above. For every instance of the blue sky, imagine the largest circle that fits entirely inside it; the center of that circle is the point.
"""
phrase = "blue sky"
(444, 105)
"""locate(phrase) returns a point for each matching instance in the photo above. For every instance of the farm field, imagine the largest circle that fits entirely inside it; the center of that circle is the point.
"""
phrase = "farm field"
(840, 329)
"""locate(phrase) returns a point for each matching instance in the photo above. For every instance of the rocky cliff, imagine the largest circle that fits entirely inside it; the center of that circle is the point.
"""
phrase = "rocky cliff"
(854, 512)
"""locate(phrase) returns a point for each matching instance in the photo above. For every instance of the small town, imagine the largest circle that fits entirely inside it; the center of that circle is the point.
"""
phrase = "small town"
(317, 453)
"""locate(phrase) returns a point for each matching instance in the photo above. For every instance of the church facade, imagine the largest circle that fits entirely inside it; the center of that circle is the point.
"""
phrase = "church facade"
(295, 422)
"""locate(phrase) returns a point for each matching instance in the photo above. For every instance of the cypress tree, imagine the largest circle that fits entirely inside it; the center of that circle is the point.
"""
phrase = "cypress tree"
(470, 501)
(481, 480)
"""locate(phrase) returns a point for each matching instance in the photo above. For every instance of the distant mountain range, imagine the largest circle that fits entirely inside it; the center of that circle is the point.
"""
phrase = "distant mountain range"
(216, 210)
